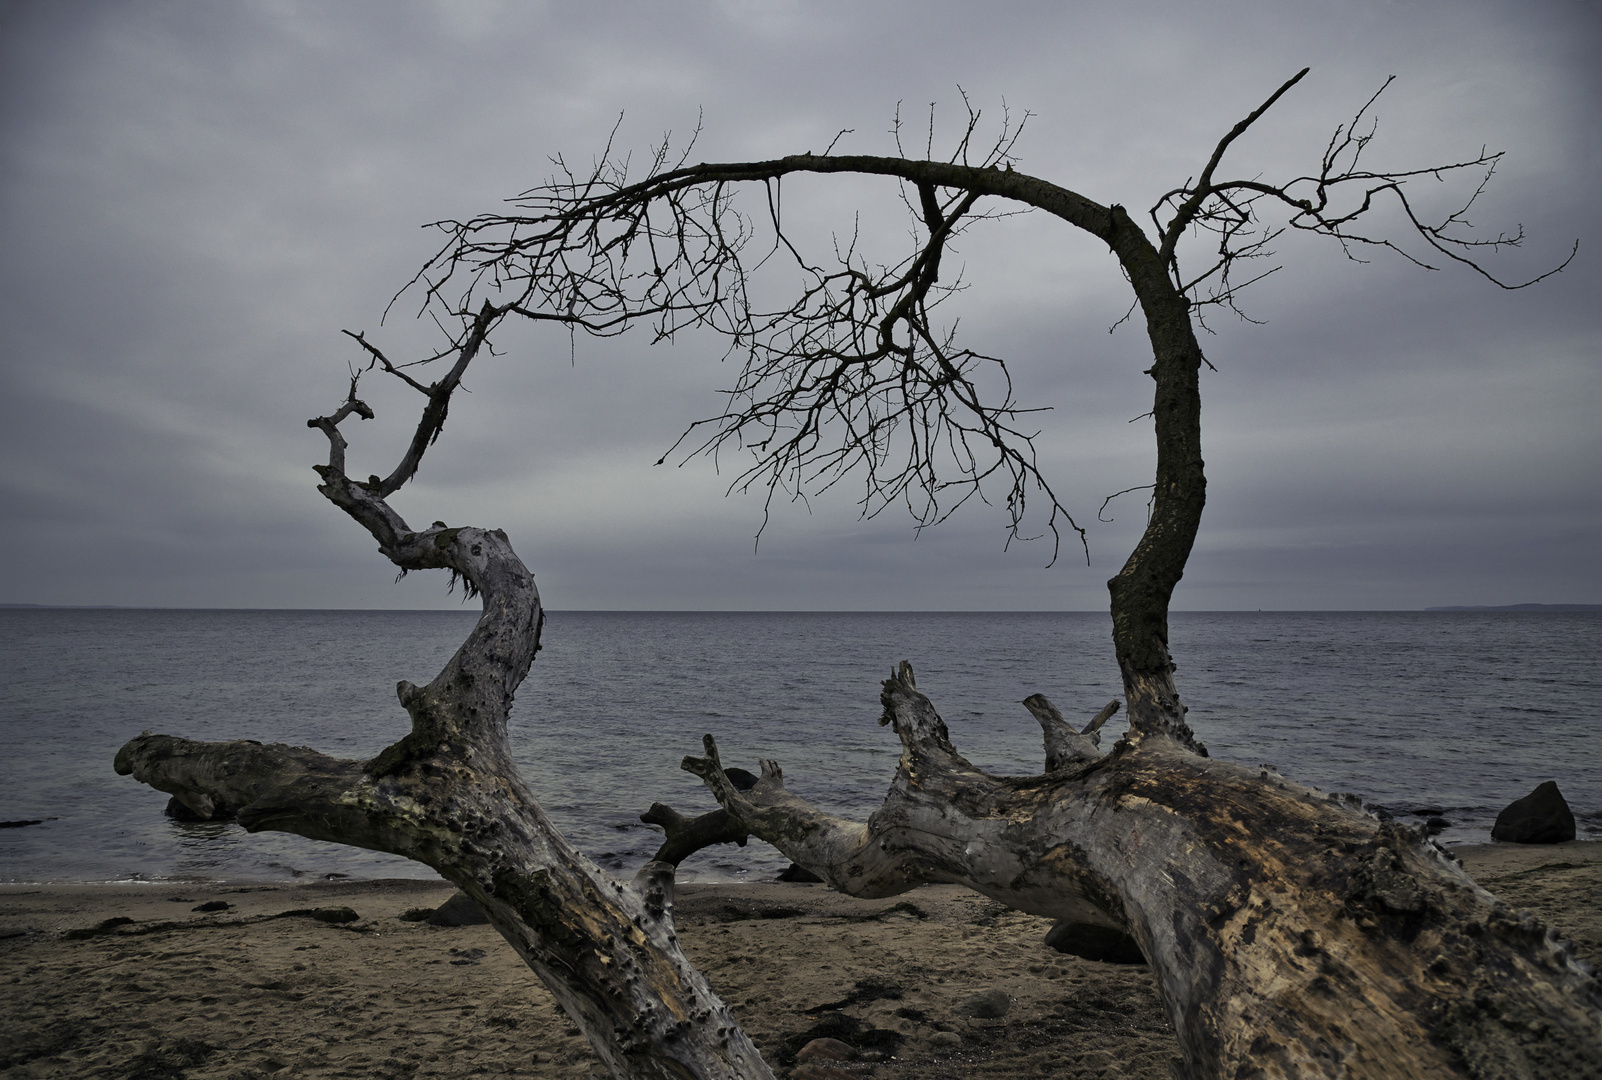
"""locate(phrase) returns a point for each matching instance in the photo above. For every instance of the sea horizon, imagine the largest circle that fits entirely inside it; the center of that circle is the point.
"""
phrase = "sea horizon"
(1421, 714)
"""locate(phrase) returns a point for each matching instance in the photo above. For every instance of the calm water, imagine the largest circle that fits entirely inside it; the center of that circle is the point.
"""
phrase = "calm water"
(1460, 711)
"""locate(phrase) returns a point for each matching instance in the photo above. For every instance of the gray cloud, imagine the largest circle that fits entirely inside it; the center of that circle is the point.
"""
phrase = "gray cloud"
(196, 198)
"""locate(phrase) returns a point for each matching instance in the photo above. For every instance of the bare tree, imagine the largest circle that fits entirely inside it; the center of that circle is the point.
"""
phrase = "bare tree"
(1290, 933)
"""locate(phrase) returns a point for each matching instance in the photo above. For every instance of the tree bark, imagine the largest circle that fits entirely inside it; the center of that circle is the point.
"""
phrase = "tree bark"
(1291, 934)
(448, 795)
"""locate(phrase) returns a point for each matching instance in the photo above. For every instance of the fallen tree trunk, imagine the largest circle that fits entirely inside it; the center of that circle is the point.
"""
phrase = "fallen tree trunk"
(1291, 933)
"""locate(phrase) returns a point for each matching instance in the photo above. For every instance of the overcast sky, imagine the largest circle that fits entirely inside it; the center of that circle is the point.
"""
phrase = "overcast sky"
(196, 197)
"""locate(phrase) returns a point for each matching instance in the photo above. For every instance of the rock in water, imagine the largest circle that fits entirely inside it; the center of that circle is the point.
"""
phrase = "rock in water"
(179, 812)
(1541, 817)
(742, 779)
(458, 911)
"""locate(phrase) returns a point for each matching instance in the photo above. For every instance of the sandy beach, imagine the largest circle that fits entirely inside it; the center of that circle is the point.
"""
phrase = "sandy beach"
(248, 991)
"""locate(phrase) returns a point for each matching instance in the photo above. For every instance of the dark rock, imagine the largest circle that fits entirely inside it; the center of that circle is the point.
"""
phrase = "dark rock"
(179, 812)
(459, 910)
(212, 905)
(742, 779)
(1541, 817)
(417, 914)
(826, 1050)
(986, 1005)
(1091, 942)
(799, 874)
(334, 915)
(1435, 824)
(20, 824)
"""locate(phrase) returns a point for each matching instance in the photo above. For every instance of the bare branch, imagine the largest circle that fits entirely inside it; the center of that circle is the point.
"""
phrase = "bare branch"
(1230, 210)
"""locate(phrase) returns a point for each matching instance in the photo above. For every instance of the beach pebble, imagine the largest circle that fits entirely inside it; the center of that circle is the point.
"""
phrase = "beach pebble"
(826, 1050)
(945, 1040)
(986, 1005)
(1541, 817)
(212, 905)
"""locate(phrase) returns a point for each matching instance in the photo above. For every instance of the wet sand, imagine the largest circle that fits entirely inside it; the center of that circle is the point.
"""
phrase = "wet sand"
(240, 995)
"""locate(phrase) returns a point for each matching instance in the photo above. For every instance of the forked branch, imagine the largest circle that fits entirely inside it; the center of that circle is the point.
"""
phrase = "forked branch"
(1337, 202)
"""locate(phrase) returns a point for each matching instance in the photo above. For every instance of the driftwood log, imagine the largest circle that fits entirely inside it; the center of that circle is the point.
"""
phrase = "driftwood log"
(1291, 934)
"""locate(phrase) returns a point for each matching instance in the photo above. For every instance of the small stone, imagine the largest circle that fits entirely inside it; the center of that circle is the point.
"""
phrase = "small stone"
(212, 905)
(334, 915)
(826, 1050)
(1541, 817)
(1435, 824)
(799, 875)
(986, 1005)
(945, 1040)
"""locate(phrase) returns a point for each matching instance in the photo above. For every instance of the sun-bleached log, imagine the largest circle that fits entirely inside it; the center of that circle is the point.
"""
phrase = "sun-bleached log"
(1292, 934)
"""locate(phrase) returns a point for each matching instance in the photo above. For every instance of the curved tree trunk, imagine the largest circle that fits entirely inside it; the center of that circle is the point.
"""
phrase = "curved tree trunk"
(1292, 935)
(448, 795)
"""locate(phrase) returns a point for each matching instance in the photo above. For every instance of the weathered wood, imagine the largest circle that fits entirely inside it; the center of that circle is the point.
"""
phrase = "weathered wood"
(686, 836)
(448, 795)
(1292, 934)
(1064, 745)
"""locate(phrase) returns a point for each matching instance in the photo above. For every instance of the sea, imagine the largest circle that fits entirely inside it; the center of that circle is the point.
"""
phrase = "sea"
(1446, 714)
